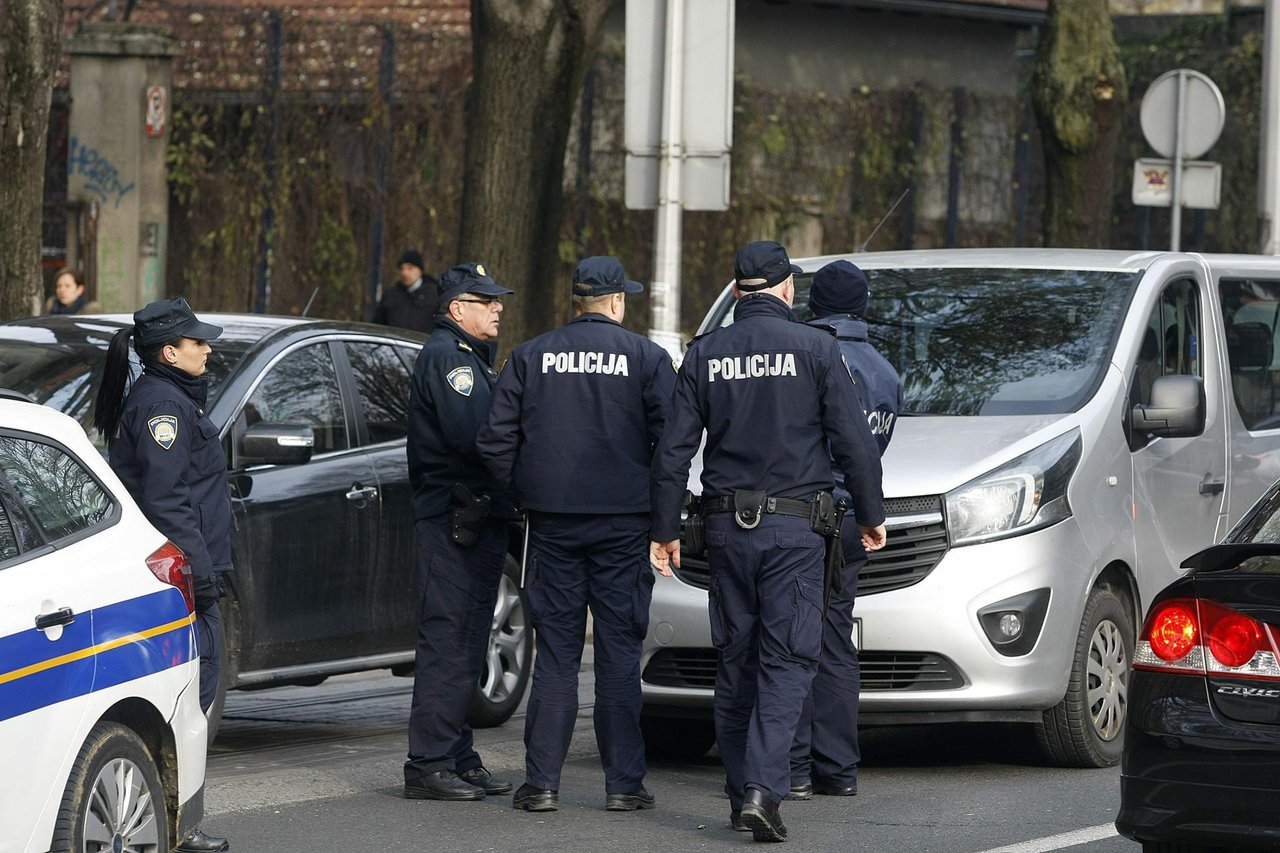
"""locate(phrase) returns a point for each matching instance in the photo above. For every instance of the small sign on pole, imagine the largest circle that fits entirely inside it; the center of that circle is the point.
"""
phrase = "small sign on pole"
(1153, 183)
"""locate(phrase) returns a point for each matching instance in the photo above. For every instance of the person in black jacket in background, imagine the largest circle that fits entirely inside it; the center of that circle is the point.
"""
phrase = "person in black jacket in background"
(574, 420)
(166, 452)
(461, 515)
(411, 302)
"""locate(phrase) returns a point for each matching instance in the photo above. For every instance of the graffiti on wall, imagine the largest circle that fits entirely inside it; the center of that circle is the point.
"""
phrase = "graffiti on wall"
(101, 177)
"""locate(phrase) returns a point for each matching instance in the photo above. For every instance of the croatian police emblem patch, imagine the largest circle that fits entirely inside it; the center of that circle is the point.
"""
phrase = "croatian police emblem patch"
(164, 429)
(462, 380)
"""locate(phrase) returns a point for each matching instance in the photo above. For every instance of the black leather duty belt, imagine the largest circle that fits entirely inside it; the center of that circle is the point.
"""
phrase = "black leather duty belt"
(775, 506)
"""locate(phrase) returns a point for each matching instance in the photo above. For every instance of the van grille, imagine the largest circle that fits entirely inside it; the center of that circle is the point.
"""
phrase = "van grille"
(908, 556)
(881, 671)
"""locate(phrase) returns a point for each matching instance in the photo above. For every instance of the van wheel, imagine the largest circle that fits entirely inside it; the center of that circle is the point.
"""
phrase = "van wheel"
(1086, 729)
(114, 799)
(676, 737)
(509, 657)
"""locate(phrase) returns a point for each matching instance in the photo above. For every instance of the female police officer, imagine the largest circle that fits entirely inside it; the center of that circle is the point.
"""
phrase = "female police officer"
(166, 452)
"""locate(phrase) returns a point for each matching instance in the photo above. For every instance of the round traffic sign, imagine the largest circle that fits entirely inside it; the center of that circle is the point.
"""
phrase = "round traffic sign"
(1203, 116)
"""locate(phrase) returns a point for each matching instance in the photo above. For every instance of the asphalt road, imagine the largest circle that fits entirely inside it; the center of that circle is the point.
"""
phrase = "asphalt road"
(318, 769)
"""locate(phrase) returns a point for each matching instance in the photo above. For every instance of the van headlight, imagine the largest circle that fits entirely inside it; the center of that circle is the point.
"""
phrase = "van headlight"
(1025, 494)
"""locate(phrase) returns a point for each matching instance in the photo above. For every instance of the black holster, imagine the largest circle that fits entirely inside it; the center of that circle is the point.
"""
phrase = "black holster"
(692, 535)
(826, 521)
(466, 519)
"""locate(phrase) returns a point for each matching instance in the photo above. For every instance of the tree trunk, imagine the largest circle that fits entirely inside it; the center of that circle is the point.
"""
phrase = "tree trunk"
(29, 54)
(529, 58)
(1080, 92)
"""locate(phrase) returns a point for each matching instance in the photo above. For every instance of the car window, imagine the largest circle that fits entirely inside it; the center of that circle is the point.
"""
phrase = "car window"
(1171, 342)
(8, 540)
(383, 383)
(60, 494)
(302, 388)
(1251, 310)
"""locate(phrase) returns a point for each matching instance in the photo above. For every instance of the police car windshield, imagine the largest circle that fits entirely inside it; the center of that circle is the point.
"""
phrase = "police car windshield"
(991, 341)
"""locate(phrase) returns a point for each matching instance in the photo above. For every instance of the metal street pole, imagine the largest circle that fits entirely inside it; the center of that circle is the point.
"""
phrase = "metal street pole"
(664, 293)
(1175, 206)
(1269, 151)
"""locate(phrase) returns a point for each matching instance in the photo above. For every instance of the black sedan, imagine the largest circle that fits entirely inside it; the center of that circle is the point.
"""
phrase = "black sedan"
(324, 543)
(1200, 769)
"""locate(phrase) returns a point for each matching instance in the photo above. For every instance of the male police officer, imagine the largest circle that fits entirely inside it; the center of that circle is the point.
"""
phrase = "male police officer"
(771, 393)
(573, 423)
(462, 515)
(824, 755)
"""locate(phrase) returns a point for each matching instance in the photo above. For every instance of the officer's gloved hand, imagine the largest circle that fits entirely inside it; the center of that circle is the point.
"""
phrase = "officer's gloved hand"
(208, 590)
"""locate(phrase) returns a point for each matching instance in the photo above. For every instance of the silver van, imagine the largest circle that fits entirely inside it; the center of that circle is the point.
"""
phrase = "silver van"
(1076, 423)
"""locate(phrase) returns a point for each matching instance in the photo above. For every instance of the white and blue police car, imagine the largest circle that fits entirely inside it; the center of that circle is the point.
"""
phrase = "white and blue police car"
(102, 741)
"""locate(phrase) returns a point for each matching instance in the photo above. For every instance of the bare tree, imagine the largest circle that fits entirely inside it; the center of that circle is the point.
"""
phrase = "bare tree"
(29, 53)
(1080, 92)
(529, 58)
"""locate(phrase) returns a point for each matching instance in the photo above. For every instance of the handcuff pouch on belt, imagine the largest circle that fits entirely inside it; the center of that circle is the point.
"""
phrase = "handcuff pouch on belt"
(692, 538)
(748, 506)
(467, 516)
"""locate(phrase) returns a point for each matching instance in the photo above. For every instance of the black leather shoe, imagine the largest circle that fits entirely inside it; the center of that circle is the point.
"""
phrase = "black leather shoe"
(801, 792)
(441, 785)
(533, 799)
(486, 781)
(198, 842)
(831, 789)
(760, 814)
(640, 798)
(735, 821)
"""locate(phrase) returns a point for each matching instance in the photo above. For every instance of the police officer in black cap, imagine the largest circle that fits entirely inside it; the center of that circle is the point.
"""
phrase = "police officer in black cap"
(825, 754)
(166, 452)
(574, 420)
(462, 515)
(771, 393)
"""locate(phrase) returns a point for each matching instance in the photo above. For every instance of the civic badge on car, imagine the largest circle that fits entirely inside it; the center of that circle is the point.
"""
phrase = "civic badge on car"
(164, 429)
(461, 380)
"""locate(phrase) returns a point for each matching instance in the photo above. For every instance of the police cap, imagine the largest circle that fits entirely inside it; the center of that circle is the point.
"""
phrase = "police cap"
(469, 278)
(838, 288)
(765, 260)
(602, 275)
(170, 319)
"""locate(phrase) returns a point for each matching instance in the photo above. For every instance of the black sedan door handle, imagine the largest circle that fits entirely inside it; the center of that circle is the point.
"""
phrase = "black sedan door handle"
(362, 493)
(1212, 487)
(62, 616)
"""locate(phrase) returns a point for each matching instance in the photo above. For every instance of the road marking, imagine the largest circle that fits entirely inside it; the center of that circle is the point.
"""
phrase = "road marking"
(1057, 842)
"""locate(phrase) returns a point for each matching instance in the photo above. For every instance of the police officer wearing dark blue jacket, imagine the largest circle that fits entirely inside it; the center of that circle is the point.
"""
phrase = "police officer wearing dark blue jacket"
(166, 452)
(825, 754)
(461, 516)
(771, 394)
(574, 420)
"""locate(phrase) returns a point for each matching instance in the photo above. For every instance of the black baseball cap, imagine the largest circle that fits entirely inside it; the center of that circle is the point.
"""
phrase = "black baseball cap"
(602, 275)
(839, 288)
(170, 319)
(764, 259)
(468, 278)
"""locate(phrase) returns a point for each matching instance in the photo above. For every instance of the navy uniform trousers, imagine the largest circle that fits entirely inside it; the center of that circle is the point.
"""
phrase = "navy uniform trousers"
(457, 591)
(209, 642)
(576, 562)
(766, 620)
(828, 729)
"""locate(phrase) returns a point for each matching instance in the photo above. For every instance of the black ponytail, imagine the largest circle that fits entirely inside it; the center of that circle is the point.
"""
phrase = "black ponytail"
(110, 402)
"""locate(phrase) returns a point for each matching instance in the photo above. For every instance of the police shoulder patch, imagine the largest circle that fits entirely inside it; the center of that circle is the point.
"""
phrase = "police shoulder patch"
(462, 380)
(164, 429)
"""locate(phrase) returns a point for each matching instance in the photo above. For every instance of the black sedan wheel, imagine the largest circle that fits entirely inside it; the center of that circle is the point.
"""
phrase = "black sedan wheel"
(509, 657)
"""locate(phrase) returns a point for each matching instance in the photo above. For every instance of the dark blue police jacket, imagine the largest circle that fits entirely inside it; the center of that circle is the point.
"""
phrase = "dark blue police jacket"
(770, 392)
(877, 382)
(575, 417)
(448, 401)
(169, 458)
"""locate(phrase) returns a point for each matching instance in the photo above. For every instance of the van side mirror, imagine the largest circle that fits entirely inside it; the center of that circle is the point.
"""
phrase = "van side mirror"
(277, 444)
(1176, 410)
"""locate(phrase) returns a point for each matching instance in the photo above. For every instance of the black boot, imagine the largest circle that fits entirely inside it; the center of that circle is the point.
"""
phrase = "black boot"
(761, 814)
(198, 842)
(533, 799)
(482, 778)
(640, 798)
(801, 791)
(441, 785)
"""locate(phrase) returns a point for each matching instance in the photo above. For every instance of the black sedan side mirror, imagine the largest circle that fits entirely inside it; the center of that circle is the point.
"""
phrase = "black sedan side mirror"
(277, 444)
(1176, 410)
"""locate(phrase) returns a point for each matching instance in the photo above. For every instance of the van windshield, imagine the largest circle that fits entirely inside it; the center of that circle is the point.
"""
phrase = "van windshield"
(991, 341)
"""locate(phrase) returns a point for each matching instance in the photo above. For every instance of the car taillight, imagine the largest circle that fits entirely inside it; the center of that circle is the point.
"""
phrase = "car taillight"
(1205, 638)
(170, 565)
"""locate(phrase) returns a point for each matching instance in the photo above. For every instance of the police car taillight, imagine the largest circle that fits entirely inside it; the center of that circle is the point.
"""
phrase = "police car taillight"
(170, 565)
(1204, 638)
